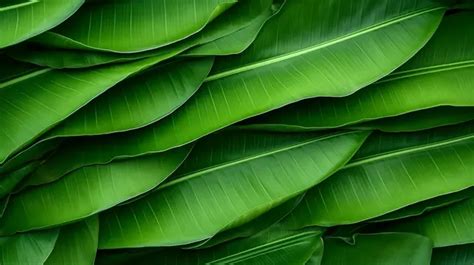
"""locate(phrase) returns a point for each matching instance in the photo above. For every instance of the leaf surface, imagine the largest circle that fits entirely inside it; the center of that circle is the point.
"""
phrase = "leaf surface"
(239, 190)
(25, 20)
(441, 74)
(87, 191)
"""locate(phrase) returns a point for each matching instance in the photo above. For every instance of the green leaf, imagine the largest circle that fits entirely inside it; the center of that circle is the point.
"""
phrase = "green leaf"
(35, 102)
(131, 26)
(457, 255)
(236, 42)
(137, 101)
(275, 245)
(420, 120)
(26, 19)
(76, 243)
(441, 74)
(251, 228)
(238, 17)
(12, 4)
(240, 189)
(29, 248)
(11, 180)
(277, 71)
(378, 249)
(370, 186)
(427, 206)
(445, 226)
(87, 191)
(37, 151)
(10, 69)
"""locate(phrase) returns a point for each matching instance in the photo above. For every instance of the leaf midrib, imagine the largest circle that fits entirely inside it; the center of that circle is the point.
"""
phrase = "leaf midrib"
(266, 248)
(25, 77)
(408, 151)
(287, 56)
(427, 70)
(227, 164)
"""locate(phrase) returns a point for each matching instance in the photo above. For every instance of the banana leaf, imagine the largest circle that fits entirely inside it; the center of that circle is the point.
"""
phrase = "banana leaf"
(24, 20)
(446, 226)
(456, 255)
(378, 249)
(420, 120)
(423, 207)
(441, 74)
(281, 76)
(239, 190)
(87, 191)
(76, 243)
(239, 16)
(35, 102)
(128, 26)
(275, 245)
(137, 101)
(391, 179)
(29, 248)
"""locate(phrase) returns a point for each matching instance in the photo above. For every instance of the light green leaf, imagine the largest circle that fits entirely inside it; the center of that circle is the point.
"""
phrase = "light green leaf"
(275, 245)
(35, 102)
(132, 26)
(236, 42)
(238, 17)
(76, 244)
(420, 120)
(87, 191)
(378, 249)
(241, 189)
(446, 226)
(251, 228)
(456, 255)
(277, 71)
(427, 206)
(441, 74)
(137, 101)
(26, 19)
(29, 248)
(371, 186)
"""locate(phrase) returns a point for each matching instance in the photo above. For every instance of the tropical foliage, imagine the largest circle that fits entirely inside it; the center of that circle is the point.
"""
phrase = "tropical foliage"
(284, 132)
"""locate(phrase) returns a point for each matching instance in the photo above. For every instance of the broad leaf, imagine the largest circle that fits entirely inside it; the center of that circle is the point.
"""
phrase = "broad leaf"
(241, 189)
(253, 227)
(283, 66)
(87, 191)
(275, 245)
(238, 17)
(378, 249)
(371, 185)
(28, 248)
(76, 243)
(445, 226)
(420, 120)
(35, 102)
(131, 25)
(138, 101)
(11, 180)
(427, 206)
(441, 74)
(27, 19)
(456, 255)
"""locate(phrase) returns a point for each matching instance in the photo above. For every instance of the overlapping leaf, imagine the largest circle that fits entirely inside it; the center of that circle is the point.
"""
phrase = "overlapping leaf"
(280, 68)
(239, 189)
(440, 74)
(26, 19)
(87, 191)
(372, 184)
